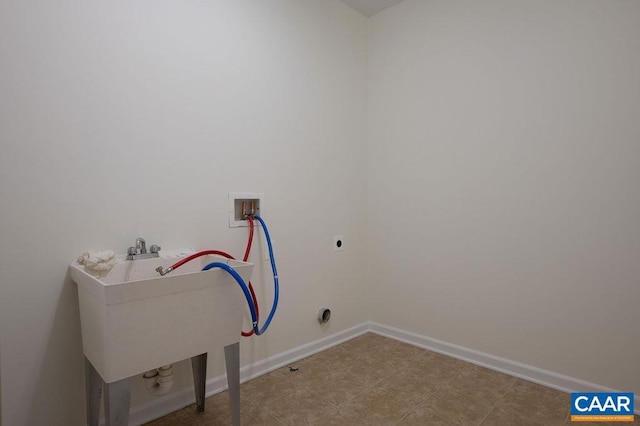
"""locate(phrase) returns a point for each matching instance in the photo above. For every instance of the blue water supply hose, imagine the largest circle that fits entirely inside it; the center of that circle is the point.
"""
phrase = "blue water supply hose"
(245, 289)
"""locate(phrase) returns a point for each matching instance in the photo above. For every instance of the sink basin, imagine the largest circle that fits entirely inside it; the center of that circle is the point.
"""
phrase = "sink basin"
(134, 320)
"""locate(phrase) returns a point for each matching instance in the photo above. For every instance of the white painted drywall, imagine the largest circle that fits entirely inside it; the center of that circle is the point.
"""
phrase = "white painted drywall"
(123, 119)
(504, 168)
(507, 130)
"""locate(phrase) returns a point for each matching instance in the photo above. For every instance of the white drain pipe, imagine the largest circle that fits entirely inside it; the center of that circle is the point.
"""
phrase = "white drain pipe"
(160, 380)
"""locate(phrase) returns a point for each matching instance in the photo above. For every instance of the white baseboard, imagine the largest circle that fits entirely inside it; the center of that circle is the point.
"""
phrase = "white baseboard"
(180, 399)
(533, 374)
(176, 400)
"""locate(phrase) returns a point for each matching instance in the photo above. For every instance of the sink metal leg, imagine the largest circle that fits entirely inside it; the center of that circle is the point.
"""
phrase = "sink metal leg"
(117, 400)
(199, 368)
(232, 361)
(93, 389)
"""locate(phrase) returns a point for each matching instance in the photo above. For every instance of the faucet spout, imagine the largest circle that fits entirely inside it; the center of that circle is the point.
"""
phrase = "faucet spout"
(141, 246)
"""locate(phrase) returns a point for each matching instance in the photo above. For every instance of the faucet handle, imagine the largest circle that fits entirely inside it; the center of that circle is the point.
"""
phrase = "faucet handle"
(131, 250)
(154, 248)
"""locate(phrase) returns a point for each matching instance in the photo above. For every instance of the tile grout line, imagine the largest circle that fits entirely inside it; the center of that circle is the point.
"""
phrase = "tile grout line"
(276, 417)
(499, 401)
(418, 405)
(376, 385)
(422, 402)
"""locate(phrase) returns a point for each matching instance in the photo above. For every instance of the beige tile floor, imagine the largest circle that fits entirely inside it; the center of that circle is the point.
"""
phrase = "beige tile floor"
(372, 380)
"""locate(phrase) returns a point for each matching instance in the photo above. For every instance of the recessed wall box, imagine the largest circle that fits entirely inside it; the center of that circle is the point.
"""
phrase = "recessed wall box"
(242, 204)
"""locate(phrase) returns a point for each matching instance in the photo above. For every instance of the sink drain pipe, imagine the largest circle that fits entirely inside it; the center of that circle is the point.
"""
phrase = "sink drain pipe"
(160, 380)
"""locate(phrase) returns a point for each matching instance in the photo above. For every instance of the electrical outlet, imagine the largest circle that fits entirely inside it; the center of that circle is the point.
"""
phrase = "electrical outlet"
(242, 204)
(338, 243)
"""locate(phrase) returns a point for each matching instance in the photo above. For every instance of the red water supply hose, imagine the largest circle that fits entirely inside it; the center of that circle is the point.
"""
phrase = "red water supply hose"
(250, 241)
(228, 256)
(244, 259)
(198, 254)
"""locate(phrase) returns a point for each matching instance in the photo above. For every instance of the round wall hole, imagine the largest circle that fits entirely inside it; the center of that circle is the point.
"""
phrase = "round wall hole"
(324, 315)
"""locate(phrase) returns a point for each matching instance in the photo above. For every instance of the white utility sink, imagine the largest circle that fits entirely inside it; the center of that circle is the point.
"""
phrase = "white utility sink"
(134, 320)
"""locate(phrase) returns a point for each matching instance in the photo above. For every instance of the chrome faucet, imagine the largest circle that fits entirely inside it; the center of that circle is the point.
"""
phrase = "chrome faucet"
(140, 250)
(141, 246)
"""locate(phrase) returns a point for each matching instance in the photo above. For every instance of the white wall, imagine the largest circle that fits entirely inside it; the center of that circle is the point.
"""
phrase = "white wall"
(504, 170)
(124, 119)
(502, 176)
